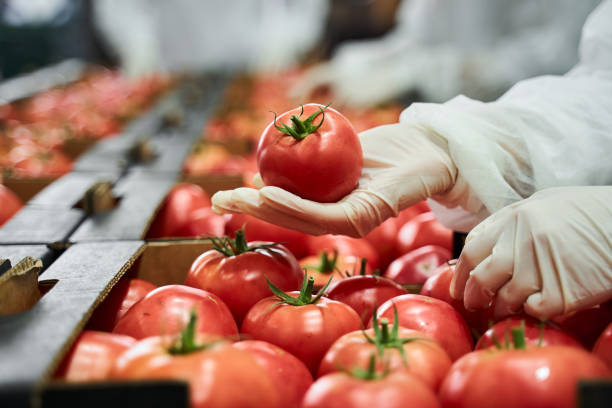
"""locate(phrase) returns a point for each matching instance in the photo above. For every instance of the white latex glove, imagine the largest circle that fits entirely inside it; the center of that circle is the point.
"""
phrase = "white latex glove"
(402, 165)
(550, 254)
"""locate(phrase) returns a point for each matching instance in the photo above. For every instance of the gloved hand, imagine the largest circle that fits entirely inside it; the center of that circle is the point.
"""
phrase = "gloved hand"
(402, 165)
(550, 254)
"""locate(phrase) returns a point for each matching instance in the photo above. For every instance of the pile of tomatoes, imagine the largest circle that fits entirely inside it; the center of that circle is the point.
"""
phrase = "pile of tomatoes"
(35, 131)
(313, 322)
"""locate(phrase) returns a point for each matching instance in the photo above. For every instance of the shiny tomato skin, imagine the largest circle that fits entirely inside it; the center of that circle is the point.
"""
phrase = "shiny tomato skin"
(324, 166)
(290, 376)
(122, 297)
(357, 247)
(364, 293)
(240, 280)
(603, 346)
(173, 217)
(433, 317)
(416, 266)
(92, 356)
(220, 376)
(425, 358)
(550, 335)
(532, 378)
(204, 222)
(438, 286)
(304, 331)
(383, 239)
(11, 204)
(165, 311)
(397, 390)
(423, 229)
(259, 230)
(587, 324)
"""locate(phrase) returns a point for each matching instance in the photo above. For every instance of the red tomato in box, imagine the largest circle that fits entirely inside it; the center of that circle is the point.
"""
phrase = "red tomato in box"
(238, 271)
(93, 356)
(11, 204)
(258, 230)
(603, 346)
(383, 239)
(204, 222)
(536, 333)
(303, 325)
(364, 293)
(173, 217)
(587, 324)
(314, 154)
(324, 266)
(433, 317)
(120, 299)
(424, 229)
(165, 310)
(357, 247)
(532, 377)
(418, 265)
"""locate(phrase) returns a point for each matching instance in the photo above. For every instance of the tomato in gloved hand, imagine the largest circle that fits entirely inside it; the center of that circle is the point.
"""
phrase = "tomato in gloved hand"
(313, 152)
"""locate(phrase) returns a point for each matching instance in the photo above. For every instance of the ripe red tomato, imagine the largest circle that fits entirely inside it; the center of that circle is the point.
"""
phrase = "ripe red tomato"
(290, 376)
(122, 297)
(424, 229)
(532, 377)
(364, 293)
(409, 213)
(536, 333)
(173, 217)
(92, 356)
(314, 154)
(397, 349)
(587, 324)
(300, 324)
(396, 390)
(237, 272)
(219, 375)
(204, 222)
(418, 265)
(357, 247)
(383, 239)
(438, 286)
(433, 317)
(11, 204)
(258, 230)
(165, 310)
(603, 346)
(324, 266)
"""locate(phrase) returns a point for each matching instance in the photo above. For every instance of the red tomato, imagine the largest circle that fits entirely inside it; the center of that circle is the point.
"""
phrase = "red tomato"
(438, 286)
(173, 217)
(316, 163)
(586, 325)
(219, 375)
(258, 230)
(300, 324)
(404, 349)
(364, 293)
(424, 229)
(418, 265)
(92, 356)
(290, 376)
(324, 266)
(433, 317)
(396, 390)
(409, 213)
(532, 377)
(165, 310)
(237, 272)
(122, 297)
(536, 333)
(383, 239)
(203, 222)
(603, 346)
(357, 247)
(11, 204)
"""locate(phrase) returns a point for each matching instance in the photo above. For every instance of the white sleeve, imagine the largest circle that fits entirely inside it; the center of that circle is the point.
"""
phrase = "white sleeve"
(544, 132)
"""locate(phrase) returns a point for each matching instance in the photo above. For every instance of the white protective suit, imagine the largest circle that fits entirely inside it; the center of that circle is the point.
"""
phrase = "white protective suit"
(443, 48)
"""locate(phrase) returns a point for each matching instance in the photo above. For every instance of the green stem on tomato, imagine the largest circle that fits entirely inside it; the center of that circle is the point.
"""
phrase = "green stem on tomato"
(305, 296)
(301, 128)
(238, 245)
(186, 342)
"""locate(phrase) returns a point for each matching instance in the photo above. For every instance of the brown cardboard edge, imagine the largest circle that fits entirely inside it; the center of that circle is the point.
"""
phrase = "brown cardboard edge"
(27, 188)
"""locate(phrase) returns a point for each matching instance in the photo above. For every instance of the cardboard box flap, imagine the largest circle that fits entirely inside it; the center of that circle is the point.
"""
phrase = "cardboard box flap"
(32, 343)
(34, 225)
(19, 287)
(141, 195)
(15, 253)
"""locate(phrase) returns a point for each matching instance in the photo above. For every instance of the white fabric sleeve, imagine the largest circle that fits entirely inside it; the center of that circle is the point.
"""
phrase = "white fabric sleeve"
(544, 132)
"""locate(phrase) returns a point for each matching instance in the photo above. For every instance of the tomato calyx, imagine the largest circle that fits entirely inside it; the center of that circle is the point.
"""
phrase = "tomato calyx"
(301, 128)
(239, 245)
(518, 338)
(370, 374)
(304, 298)
(326, 263)
(186, 342)
(384, 339)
